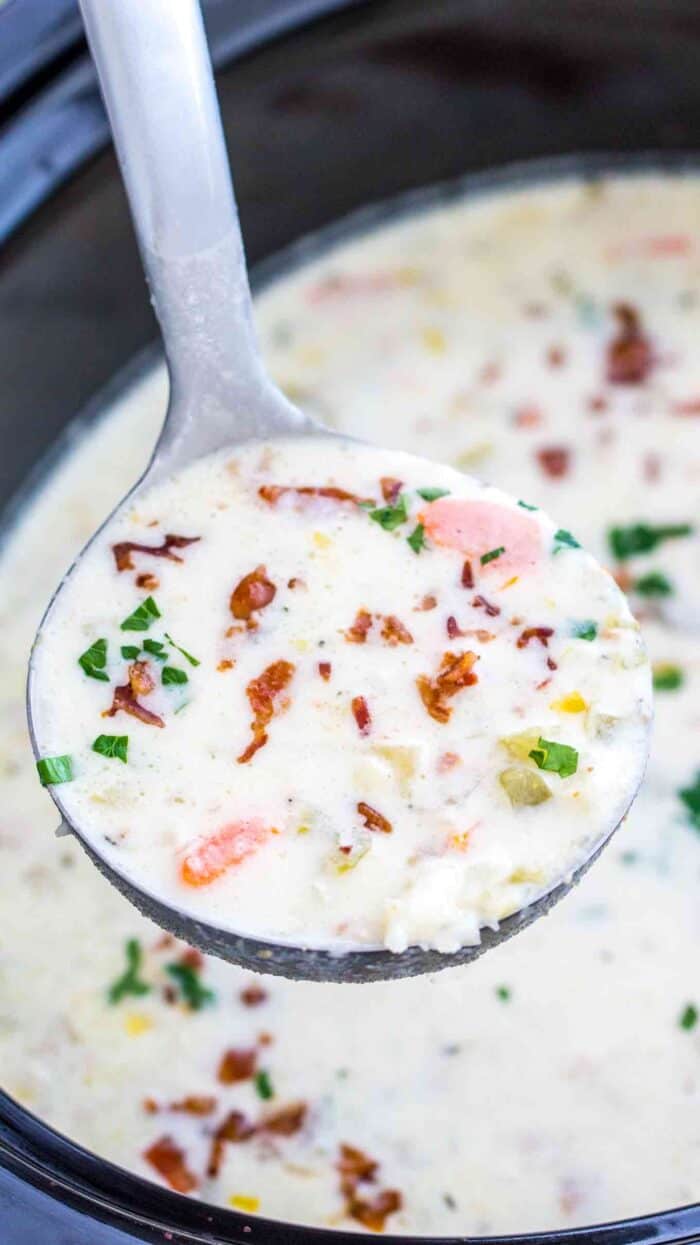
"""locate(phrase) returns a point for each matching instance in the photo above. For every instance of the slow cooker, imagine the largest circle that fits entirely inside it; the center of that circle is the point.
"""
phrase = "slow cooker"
(329, 106)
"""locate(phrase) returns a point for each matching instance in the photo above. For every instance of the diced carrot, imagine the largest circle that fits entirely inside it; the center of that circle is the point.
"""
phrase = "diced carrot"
(479, 527)
(208, 858)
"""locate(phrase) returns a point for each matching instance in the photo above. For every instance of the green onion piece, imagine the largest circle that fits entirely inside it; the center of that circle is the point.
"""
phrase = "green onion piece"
(53, 770)
(564, 540)
(667, 678)
(193, 992)
(653, 585)
(688, 1017)
(526, 507)
(432, 494)
(625, 542)
(115, 746)
(690, 796)
(194, 661)
(417, 538)
(390, 517)
(156, 648)
(503, 993)
(585, 630)
(263, 1084)
(143, 616)
(130, 652)
(172, 675)
(129, 982)
(94, 660)
(492, 555)
(557, 758)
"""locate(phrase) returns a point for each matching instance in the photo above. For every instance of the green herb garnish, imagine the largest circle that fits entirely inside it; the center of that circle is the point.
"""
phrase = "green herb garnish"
(417, 538)
(564, 540)
(557, 758)
(526, 507)
(143, 616)
(129, 982)
(625, 542)
(263, 1084)
(53, 770)
(688, 1017)
(653, 585)
(691, 798)
(585, 630)
(193, 992)
(115, 746)
(130, 652)
(194, 661)
(432, 494)
(94, 660)
(156, 648)
(667, 678)
(390, 517)
(172, 675)
(503, 993)
(492, 555)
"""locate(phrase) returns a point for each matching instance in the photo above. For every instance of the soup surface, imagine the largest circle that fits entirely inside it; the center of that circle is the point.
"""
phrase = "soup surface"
(545, 340)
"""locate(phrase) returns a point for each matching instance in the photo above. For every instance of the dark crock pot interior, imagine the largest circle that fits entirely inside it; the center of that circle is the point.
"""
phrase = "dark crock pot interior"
(327, 107)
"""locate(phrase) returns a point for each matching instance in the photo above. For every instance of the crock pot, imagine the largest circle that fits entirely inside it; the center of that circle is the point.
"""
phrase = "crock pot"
(328, 106)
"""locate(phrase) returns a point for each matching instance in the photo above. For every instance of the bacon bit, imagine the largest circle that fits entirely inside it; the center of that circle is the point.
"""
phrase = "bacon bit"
(372, 819)
(447, 761)
(124, 700)
(480, 634)
(253, 995)
(150, 1106)
(237, 1065)
(543, 634)
(554, 461)
(623, 578)
(235, 1128)
(629, 358)
(254, 592)
(169, 1161)
(539, 687)
(689, 406)
(394, 632)
(556, 356)
(285, 1122)
(453, 629)
(262, 694)
(357, 633)
(226, 664)
(390, 489)
(551, 664)
(528, 417)
(123, 551)
(454, 674)
(271, 493)
(467, 574)
(356, 1168)
(295, 582)
(324, 669)
(480, 602)
(428, 602)
(208, 858)
(147, 581)
(195, 1104)
(598, 404)
(265, 1038)
(141, 680)
(373, 1213)
(361, 714)
(192, 958)
(354, 1165)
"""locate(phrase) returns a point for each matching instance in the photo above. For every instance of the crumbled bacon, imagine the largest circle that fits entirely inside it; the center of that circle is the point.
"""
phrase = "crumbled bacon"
(542, 634)
(480, 602)
(355, 1169)
(284, 1122)
(447, 761)
(235, 1128)
(554, 461)
(529, 416)
(394, 632)
(454, 674)
(271, 493)
(428, 602)
(480, 634)
(140, 678)
(253, 995)
(169, 1161)
(123, 551)
(390, 489)
(124, 700)
(361, 714)
(453, 629)
(467, 574)
(324, 669)
(629, 357)
(688, 406)
(357, 633)
(192, 958)
(147, 581)
(372, 819)
(551, 664)
(254, 592)
(354, 1165)
(373, 1212)
(296, 582)
(237, 1065)
(262, 694)
(225, 664)
(194, 1104)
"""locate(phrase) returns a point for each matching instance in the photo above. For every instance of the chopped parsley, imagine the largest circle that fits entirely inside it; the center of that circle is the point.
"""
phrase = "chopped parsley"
(417, 538)
(625, 542)
(688, 1017)
(667, 677)
(586, 629)
(130, 652)
(194, 661)
(115, 746)
(129, 982)
(263, 1085)
(557, 758)
(390, 517)
(690, 796)
(143, 616)
(492, 555)
(503, 993)
(564, 540)
(94, 660)
(172, 675)
(525, 506)
(53, 770)
(193, 992)
(432, 494)
(653, 585)
(156, 648)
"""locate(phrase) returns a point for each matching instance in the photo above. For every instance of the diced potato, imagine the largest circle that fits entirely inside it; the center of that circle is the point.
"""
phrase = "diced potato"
(524, 786)
(403, 760)
(520, 746)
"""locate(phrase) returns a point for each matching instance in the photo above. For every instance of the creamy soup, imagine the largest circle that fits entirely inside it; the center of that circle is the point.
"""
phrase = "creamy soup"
(416, 704)
(545, 340)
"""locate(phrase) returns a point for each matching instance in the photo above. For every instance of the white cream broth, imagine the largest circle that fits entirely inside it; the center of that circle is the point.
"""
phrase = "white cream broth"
(450, 701)
(556, 1081)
